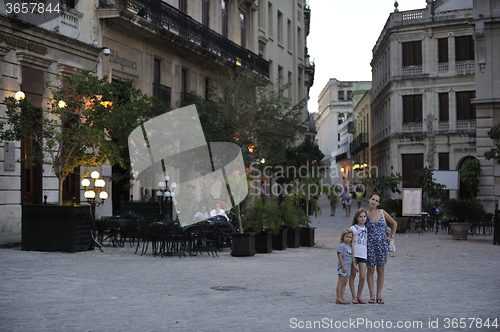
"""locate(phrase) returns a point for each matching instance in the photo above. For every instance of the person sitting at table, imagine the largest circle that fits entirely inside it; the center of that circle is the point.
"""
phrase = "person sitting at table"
(201, 214)
(217, 211)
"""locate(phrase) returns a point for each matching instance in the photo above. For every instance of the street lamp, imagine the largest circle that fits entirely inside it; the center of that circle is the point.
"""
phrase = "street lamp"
(165, 195)
(91, 194)
(19, 95)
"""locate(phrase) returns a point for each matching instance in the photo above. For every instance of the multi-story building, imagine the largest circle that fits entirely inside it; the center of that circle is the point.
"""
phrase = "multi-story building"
(486, 20)
(360, 152)
(170, 48)
(423, 70)
(335, 105)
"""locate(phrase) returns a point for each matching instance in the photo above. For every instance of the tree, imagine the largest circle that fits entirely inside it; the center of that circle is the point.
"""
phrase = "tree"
(383, 185)
(86, 123)
(430, 188)
(305, 158)
(494, 152)
(469, 176)
(256, 115)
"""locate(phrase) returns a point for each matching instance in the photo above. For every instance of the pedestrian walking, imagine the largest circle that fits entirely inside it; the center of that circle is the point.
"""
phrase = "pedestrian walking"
(347, 196)
(344, 253)
(377, 246)
(359, 195)
(360, 253)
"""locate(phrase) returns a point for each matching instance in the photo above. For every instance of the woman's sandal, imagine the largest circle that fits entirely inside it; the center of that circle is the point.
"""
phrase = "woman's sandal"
(371, 301)
(355, 301)
(360, 301)
(380, 301)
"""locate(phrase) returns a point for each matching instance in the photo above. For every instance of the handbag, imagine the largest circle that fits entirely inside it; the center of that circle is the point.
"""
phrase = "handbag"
(388, 232)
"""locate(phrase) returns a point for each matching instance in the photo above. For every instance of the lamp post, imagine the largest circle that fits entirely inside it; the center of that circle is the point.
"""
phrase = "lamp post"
(165, 196)
(97, 191)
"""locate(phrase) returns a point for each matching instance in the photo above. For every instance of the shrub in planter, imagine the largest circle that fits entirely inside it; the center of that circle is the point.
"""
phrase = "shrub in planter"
(290, 216)
(243, 244)
(263, 219)
(465, 211)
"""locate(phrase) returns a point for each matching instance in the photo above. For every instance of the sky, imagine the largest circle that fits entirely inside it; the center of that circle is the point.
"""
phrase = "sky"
(342, 36)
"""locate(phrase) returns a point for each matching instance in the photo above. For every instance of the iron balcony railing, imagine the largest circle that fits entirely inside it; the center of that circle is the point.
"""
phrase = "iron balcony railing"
(343, 156)
(171, 19)
(187, 98)
(163, 93)
(351, 127)
(359, 143)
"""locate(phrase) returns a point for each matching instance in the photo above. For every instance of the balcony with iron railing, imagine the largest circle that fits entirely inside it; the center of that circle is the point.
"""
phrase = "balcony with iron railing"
(187, 98)
(359, 143)
(163, 93)
(178, 24)
(351, 127)
(343, 156)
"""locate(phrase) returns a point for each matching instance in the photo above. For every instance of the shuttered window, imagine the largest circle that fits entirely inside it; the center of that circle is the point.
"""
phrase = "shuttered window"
(411, 163)
(412, 108)
(412, 53)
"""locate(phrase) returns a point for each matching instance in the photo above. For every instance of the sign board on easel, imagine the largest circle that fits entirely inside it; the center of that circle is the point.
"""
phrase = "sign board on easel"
(412, 201)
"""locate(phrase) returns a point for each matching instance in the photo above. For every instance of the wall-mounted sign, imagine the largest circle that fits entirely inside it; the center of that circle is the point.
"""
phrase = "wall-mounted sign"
(23, 43)
(123, 62)
(9, 161)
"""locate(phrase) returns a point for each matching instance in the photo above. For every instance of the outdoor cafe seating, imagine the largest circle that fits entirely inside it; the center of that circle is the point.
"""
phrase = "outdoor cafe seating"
(163, 237)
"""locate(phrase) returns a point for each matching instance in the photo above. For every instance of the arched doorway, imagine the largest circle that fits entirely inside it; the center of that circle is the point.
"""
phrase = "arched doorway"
(464, 192)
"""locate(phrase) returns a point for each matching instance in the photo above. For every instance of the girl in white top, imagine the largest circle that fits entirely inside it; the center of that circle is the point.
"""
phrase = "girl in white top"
(359, 249)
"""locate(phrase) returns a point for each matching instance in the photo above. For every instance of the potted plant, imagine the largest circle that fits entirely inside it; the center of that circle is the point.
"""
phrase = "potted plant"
(306, 231)
(290, 217)
(87, 123)
(464, 211)
(242, 243)
(263, 219)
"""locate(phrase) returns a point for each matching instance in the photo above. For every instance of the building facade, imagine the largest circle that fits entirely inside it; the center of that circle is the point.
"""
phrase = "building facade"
(486, 22)
(423, 71)
(335, 127)
(170, 48)
(359, 147)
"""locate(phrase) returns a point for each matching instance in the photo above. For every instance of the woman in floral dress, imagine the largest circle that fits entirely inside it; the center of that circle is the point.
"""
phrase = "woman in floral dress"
(377, 246)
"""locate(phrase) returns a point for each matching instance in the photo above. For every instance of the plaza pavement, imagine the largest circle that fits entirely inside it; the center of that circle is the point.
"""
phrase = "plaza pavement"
(432, 283)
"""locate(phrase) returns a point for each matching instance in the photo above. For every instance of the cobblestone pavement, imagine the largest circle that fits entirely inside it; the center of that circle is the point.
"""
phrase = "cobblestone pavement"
(432, 283)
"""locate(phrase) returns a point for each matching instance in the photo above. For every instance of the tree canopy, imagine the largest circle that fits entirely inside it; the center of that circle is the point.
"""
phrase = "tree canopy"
(86, 123)
(257, 116)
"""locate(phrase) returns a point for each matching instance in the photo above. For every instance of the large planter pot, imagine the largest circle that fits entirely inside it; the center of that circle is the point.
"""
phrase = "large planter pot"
(280, 240)
(459, 231)
(307, 236)
(243, 244)
(402, 224)
(56, 228)
(264, 242)
(293, 237)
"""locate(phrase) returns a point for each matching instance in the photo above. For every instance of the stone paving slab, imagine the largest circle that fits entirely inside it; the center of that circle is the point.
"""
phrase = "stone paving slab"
(430, 284)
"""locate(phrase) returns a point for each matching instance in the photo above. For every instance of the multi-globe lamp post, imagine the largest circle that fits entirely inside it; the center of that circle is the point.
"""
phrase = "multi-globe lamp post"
(97, 191)
(165, 195)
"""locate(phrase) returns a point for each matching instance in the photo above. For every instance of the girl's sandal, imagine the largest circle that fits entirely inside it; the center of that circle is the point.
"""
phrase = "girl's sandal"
(355, 301)
(371, 301)
(380, 301)
(360, 301)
